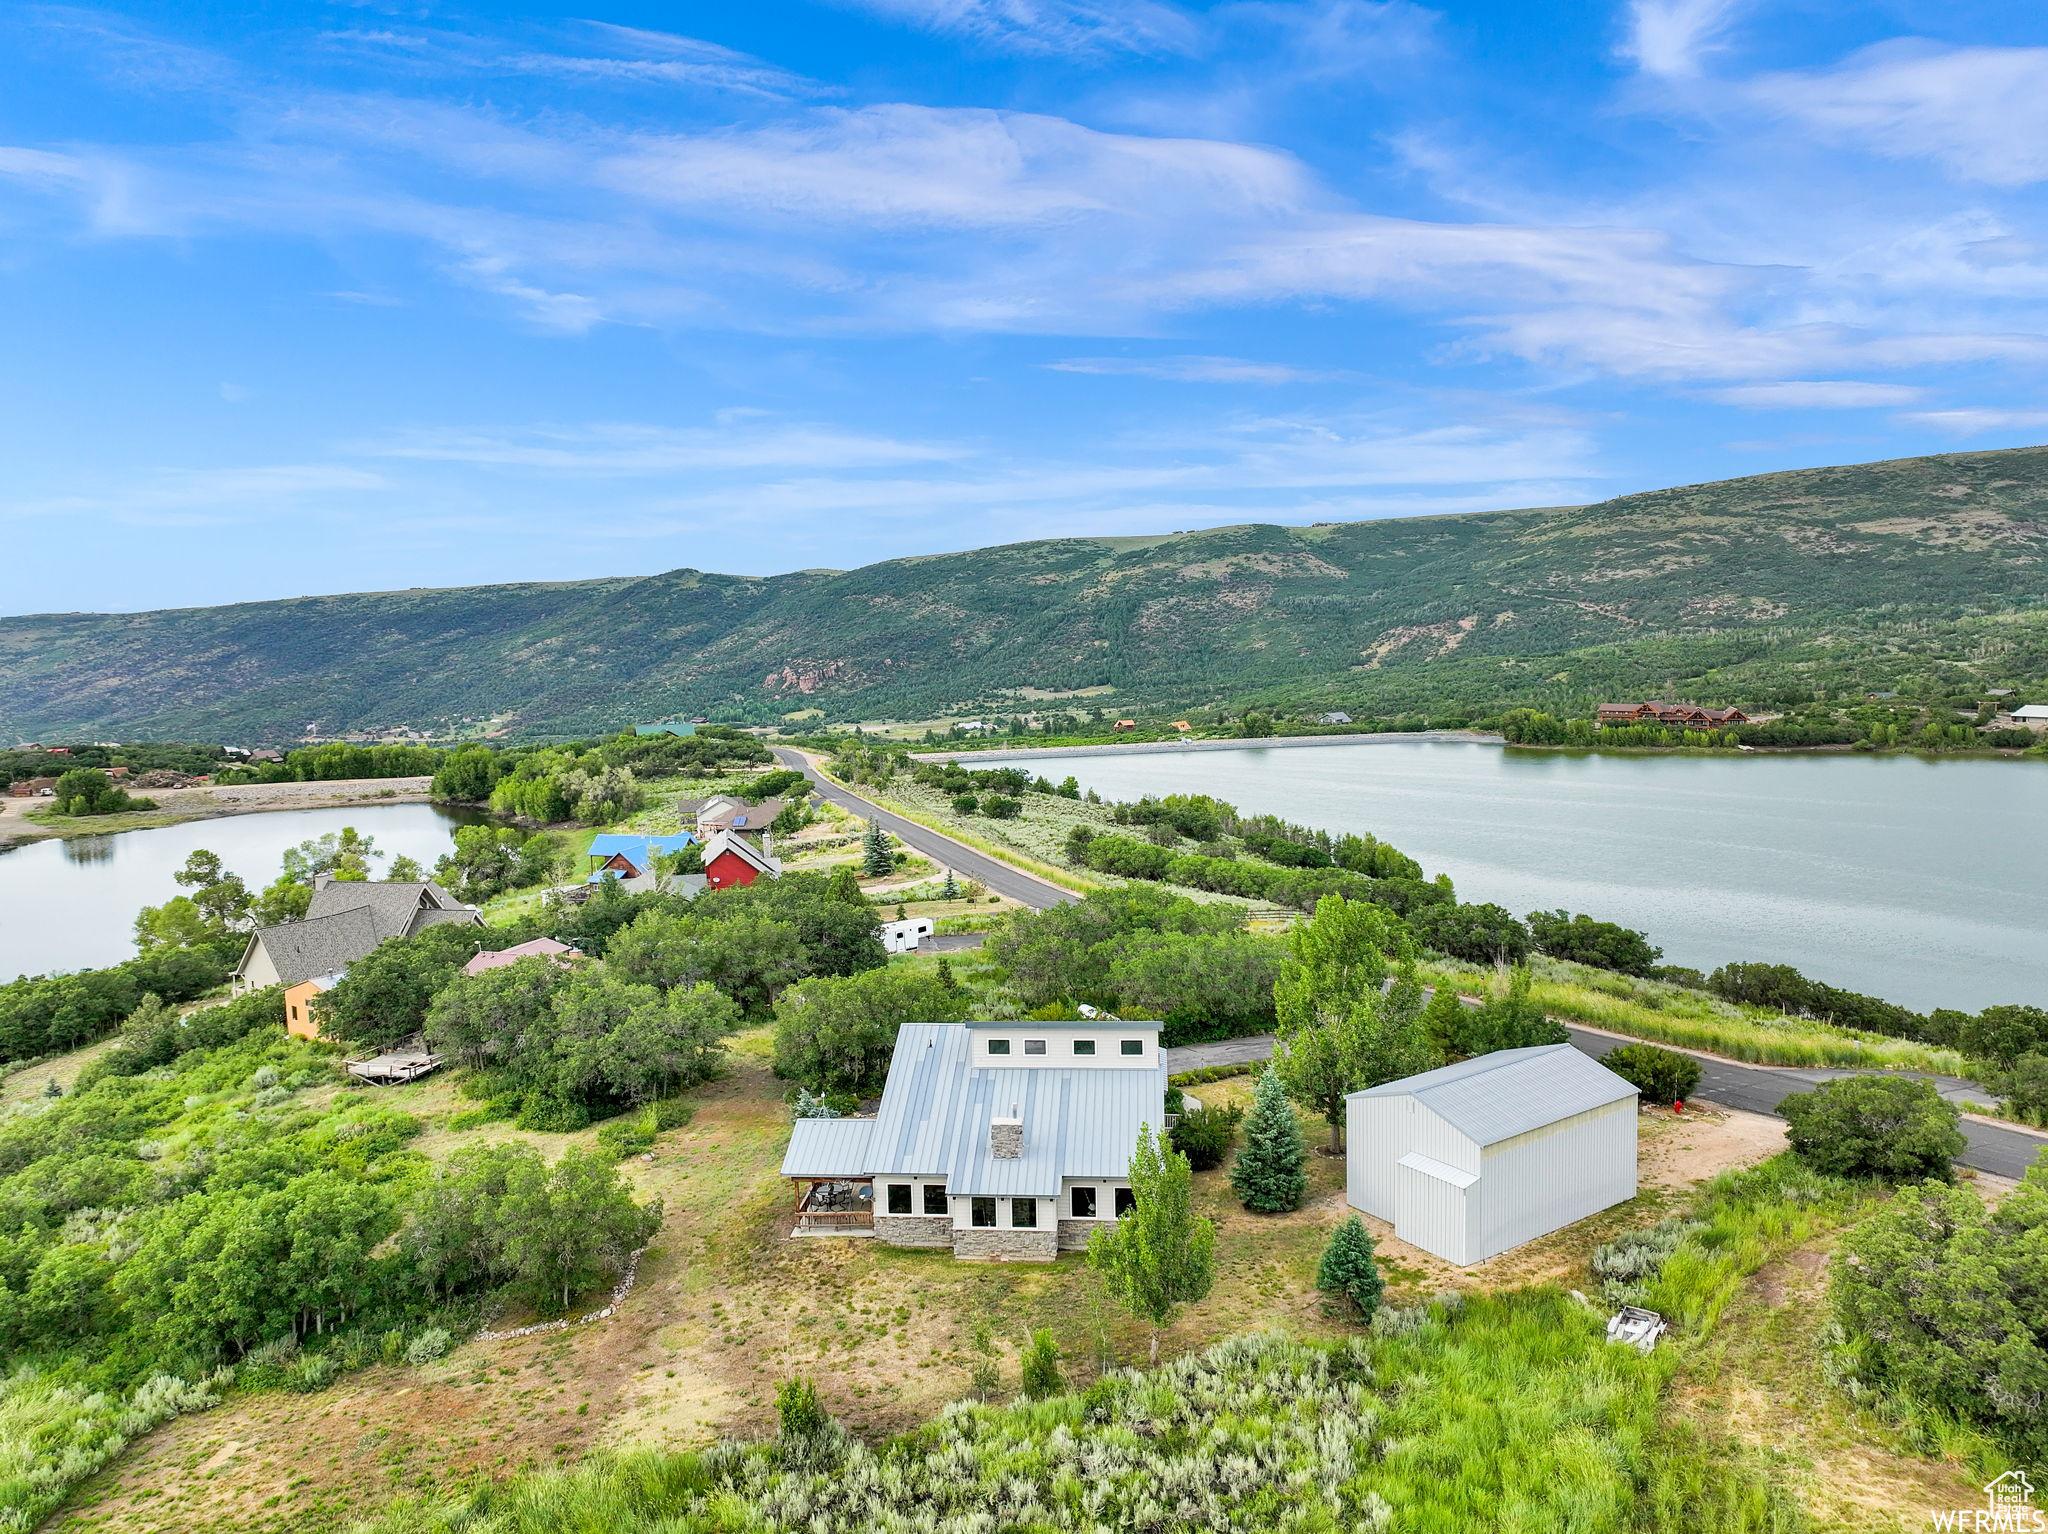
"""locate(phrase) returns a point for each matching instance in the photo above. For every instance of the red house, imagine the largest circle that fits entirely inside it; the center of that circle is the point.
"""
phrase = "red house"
(731, 860)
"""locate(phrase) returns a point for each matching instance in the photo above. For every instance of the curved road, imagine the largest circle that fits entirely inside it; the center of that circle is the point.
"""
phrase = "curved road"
(999, 876)
(1756, 1088)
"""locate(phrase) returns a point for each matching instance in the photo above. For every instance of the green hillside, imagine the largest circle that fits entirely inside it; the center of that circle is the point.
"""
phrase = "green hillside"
(1866, 575)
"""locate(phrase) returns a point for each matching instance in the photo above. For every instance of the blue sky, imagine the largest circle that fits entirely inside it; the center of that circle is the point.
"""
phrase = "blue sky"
(308, 297)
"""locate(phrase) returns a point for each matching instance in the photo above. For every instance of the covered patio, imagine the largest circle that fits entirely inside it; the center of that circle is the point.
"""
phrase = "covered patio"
(834, 1206)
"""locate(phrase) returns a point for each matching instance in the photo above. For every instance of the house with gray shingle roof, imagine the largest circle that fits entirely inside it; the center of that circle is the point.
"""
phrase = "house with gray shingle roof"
(1471, 1159)
(345, 920)
(1007, 1142)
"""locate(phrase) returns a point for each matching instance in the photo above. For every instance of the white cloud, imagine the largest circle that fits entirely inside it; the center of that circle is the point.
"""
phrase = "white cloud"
(1224, 370)
(205, 497)
(1050, 26)
(1671, 37)
(627, 449)
(1968, 423)
(1818, 394)
(1980, 113)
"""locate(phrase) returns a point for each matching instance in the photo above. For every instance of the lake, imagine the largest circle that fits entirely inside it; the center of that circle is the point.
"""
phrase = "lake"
(1921, 880)
(71, 904)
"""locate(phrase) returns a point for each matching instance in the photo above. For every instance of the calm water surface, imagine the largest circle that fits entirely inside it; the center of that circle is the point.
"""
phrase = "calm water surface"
(71, 904)
(1924, 881)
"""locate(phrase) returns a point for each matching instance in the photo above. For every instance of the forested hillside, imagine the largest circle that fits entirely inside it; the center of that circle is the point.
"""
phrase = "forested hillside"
(1866, 575)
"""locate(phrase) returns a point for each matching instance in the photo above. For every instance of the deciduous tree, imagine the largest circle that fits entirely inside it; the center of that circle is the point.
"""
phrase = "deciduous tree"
(1160, 1254)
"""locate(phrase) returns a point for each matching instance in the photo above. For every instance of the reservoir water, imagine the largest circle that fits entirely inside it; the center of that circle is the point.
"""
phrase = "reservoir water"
(71, 904)
(1921, 880)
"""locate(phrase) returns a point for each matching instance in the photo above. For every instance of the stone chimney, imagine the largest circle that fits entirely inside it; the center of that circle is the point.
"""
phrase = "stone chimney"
(321, 881)
(1006, 1138)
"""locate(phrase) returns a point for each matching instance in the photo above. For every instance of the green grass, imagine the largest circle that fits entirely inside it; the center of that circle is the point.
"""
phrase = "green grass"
(1509, 1414)
(1668, 1014)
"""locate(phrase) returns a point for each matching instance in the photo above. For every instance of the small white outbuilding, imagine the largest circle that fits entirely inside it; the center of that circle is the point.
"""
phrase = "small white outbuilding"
(1471, 1159)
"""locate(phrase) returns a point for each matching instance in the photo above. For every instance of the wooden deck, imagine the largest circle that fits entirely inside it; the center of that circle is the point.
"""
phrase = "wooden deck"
(394, 1067)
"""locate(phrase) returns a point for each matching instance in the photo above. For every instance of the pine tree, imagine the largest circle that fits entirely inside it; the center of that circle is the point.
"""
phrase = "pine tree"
(1445, 1022)
(875, 856)
(1271, 1172)
(1349, 1268)
(1160, 1254)
(950, 890)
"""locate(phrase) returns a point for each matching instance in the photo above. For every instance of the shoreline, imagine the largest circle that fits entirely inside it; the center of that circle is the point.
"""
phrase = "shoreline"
(1150, 747)
(1467, 737)
(17, 830)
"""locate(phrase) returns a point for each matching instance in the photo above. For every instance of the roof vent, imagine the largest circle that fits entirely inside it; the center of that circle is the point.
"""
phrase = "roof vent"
(1006, 1138)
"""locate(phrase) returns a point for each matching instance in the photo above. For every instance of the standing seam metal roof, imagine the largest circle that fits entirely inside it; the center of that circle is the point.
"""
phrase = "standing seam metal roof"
(1495, 1097)
(1079, 1121)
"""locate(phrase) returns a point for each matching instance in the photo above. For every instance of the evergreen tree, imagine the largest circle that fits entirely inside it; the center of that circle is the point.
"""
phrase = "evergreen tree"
(950, 890)
(1443, 1020)
(1349, 1268)
(846, 886)
(1160, 1254)
(1271, 1171)
(876, 858)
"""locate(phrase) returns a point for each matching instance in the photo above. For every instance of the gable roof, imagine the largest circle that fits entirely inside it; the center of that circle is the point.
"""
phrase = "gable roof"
(397, 908)
(723, 842)
(320, 945)
(1079, 1121)
(1495, 1097)
(540, 947)
(738, 816)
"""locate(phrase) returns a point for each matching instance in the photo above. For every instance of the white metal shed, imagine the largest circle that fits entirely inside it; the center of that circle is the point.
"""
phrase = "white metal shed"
(1471, 1159)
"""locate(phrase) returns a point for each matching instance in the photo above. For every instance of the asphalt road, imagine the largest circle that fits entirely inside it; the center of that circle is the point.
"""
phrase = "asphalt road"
(1755, 1088)
(999, 876)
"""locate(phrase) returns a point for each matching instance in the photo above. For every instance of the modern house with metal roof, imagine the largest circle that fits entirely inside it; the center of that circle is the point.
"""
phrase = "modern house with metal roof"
(1471, 1159)
(1007, 1142)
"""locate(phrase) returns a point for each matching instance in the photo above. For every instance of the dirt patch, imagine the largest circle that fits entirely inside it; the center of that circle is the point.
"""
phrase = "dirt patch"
(1677, 1150)
(1762, 1383)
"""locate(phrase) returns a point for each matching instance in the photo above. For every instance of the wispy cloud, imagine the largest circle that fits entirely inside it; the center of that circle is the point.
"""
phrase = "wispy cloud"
(596, 51)
(1050, 26)
(1818, 394)
(628, 449)
(1217, 370)
(1672, 38)
(1980, 113)
(1969, 423)
(204, 497)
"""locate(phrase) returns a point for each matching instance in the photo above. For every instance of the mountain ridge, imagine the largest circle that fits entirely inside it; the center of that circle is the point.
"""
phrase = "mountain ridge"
(1834, 571)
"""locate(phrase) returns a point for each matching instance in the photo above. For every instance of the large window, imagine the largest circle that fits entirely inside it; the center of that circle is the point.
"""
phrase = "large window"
(982, 1211)
(899, 1198)
(1034, 1046)
(1134, 1046)
(1084, 1046)
(1084, 1203)
(1126, 1201)
(999, 1046)
(934, 1199)
(1024, 1213)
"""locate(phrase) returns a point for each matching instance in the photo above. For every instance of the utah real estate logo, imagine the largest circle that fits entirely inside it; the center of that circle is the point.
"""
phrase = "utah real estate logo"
(2010, 1507)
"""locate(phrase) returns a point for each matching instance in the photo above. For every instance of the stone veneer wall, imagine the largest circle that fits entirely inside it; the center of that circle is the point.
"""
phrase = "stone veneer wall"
(1001, 1245)
(1074, 1234)
(914, 1229)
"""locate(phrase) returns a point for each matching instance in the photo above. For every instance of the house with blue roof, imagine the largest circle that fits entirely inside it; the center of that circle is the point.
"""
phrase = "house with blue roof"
(628, 859)
(1006, 1142)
